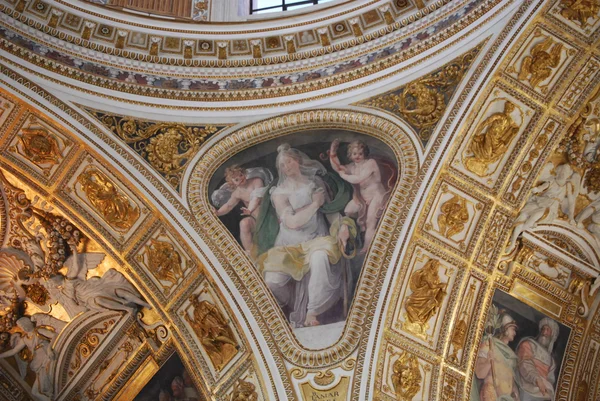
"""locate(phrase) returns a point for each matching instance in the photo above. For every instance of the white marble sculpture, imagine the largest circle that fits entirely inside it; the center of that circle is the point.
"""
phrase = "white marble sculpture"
(591, 212)
(38, 340)
(76, 293)
(556, 192)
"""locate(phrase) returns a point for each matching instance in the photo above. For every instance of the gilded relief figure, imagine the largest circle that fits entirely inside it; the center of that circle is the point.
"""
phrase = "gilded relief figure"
(580, 11)
(214, 332)
(454, 216)
(545, 56)
(164, 261)
(427, 294)
(406, 377)
(244, 391)
(114, 206)
(491, 139)
(39, 146)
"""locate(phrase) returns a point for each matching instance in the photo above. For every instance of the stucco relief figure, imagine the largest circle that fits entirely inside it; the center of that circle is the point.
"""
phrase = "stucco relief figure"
(556, 193)
(244, 391)
(496, 372)
(580, 11)
(427, 294)
(544, 58)
(247, 186)
(491, 140)
(36, 341)
(406, 377)
(370, 194)
(114, 206)
(76, 293)
(537, 367)
(589, 217)
(214, 332)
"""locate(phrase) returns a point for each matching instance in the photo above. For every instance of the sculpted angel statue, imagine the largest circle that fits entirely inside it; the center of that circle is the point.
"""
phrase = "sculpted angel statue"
(556, 193)
(38, 341)
(77, 294)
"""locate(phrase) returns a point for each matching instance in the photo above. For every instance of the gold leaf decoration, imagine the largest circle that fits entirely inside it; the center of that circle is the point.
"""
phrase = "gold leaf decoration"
(423, 102)
(168, 147)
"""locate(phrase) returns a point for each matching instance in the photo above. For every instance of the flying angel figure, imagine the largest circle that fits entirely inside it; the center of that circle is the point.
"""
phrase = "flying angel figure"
(76, 293)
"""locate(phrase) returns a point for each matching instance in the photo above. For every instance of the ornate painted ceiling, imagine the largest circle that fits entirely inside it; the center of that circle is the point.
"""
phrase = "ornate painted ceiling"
(375, 200)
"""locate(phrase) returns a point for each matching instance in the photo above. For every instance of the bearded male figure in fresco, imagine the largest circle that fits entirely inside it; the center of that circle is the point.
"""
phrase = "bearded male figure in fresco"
(537, 367)
(496, 366)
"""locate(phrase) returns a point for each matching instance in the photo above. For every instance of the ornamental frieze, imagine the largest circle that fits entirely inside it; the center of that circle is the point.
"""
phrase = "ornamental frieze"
(202, 85)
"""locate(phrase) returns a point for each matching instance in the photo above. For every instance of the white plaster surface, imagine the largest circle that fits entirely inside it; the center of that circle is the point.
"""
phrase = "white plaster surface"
(320, 336)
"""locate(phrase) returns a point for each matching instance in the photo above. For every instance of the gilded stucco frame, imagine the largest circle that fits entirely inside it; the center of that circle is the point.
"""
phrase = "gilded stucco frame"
(252, 287)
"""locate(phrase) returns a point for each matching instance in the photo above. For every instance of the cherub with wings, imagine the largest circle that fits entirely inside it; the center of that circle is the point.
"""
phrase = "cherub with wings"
(36, 334)
(538, 67)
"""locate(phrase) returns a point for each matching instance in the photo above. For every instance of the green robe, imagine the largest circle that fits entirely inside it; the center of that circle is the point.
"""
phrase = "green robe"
(267, 224)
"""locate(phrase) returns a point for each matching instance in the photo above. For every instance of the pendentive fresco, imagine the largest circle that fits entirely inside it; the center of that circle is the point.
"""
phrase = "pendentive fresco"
(305, 209)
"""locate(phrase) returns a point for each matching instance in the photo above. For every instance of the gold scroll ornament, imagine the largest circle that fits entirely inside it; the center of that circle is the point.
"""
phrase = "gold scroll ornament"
(406, 377)
(339, 392)
(545, 56)
(40, 147)
(113, 205)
